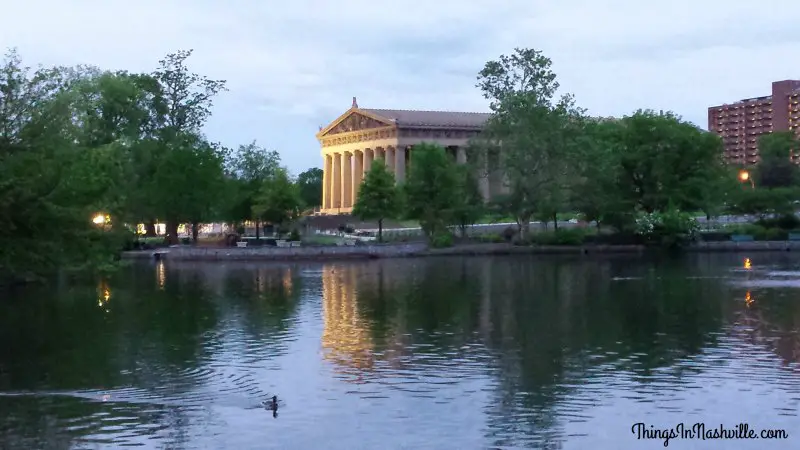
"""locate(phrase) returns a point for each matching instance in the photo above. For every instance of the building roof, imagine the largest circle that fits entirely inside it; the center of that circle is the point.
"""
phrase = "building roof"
(432, 119)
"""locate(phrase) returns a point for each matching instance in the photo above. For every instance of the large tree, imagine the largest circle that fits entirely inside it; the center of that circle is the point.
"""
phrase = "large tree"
(666, 162)
(775, 168)
(378, 197)
(189, 180)
(53, 178)
(535, 130)
(187, 101)
(431, 188)
(469, 205)
(310, 185)
(278, 201)
(249, 168)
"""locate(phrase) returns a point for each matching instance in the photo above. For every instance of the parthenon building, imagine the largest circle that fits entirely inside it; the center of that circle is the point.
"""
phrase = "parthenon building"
(359, 136)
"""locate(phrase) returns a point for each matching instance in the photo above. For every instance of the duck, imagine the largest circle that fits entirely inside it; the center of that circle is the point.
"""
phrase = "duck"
(272, 404)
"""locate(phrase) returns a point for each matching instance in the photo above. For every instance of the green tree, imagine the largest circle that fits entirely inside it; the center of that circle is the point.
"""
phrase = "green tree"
(595, 192)
(776, 168)
(431, 188)
(310, 184)
(51, 183)
(536, 131)
(378, 197)
(666, 162)
(278, 201)
(469, 205)
(250, 167)
(189, 180)
(187, 102)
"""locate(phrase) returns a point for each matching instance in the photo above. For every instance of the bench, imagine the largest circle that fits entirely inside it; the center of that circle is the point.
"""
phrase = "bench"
(294, 243)
(742, 238)
(794, 236)
(282, 244)
(241, 244)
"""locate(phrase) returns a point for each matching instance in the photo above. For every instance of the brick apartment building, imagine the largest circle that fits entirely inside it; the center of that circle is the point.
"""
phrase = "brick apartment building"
(741, 123)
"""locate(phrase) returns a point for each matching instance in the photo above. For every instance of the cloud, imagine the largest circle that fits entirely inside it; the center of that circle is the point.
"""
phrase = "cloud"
(292, 66)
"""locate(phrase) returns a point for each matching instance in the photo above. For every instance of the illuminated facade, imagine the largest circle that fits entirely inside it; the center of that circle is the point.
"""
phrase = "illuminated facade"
(359, 136)
(741, 123)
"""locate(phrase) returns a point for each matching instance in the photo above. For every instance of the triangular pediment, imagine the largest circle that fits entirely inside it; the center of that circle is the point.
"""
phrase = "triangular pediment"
(355, 120)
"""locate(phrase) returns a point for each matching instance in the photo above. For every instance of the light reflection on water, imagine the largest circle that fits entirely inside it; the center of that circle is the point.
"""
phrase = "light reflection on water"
(444, 353)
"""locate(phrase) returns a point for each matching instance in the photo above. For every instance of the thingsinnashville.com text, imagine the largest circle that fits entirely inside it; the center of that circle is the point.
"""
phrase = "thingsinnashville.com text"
(700, 431)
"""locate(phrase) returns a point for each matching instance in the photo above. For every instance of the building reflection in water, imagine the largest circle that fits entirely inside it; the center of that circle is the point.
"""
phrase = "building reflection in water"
(161, 274)
(346, 338)
(103, 294)
(267, 279)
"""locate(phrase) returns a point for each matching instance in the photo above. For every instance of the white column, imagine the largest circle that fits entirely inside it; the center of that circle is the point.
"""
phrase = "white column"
(347, 180)
(358, 173)
(369, 155)
(483, 176)
(461, 155)
(400, 164)
(336, 182)
(327, 168)
(388, 158)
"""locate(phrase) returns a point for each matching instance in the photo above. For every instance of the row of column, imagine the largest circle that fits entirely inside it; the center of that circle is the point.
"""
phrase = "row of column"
(345, 170)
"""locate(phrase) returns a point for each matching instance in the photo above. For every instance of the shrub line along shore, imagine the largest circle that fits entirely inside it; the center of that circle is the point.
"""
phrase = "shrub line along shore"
(422, 249)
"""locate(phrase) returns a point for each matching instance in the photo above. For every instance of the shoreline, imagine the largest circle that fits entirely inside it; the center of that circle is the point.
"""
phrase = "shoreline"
(407, 250)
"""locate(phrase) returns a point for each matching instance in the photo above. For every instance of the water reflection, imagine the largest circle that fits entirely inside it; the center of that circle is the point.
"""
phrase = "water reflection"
(103, 294)
(440, 353)
(346, 338)
(161, 274)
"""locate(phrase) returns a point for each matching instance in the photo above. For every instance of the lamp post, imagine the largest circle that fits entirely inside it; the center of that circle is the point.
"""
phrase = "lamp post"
(745, 176)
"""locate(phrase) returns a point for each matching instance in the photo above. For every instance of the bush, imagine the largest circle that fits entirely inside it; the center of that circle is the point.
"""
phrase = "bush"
(714, 236)
(669, 228)
(493, 238)
(442, 239)
(784, 222)
(614, 239)
(294, 235)
(747, 228)
(509, 233)
(775, 234)
(566, 236)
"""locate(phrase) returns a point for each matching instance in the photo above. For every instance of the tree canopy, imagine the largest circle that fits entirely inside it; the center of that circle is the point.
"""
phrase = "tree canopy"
(378, 197)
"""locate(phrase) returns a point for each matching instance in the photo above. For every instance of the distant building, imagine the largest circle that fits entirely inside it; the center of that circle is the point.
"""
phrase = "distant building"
(359, 136)
(741, 123)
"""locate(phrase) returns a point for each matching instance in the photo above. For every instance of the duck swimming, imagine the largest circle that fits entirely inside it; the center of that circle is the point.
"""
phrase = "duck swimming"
(271, 405)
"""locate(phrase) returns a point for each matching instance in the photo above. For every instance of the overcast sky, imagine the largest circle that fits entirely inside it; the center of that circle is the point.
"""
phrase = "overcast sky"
(295, 65)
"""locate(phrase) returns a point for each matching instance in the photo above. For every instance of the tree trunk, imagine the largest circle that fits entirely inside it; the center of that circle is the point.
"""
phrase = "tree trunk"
(380, 230)
(258, 232)
(524, 223)
(555, 222)
(172, 232)
(150, 228)
(195, 231)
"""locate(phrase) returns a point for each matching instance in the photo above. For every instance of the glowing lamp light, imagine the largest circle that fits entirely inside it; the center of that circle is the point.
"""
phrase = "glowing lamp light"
(744, 175)
(99, 219)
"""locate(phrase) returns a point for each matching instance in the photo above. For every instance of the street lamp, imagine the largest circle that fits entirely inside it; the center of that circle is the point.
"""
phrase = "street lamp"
(745, 176)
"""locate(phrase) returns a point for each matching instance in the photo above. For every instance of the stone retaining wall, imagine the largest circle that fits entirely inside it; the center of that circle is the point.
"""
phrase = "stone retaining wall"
(280, 254)
(421, 249)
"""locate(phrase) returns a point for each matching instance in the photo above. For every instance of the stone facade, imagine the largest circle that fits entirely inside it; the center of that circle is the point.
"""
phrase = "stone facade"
(359, 136)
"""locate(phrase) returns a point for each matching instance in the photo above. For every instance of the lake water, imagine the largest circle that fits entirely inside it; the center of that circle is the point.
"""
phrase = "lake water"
(461, 353)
